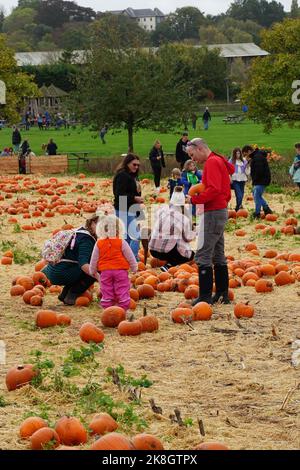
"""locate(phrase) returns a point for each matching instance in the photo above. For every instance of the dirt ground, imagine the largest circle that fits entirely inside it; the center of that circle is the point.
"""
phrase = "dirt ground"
(232, 376)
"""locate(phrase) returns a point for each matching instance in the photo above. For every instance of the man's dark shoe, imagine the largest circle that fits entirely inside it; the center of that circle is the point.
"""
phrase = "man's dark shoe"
(267, 210)
(63, 293)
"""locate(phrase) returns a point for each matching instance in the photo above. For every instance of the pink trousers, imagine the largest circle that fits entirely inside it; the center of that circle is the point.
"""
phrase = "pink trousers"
(115, 287)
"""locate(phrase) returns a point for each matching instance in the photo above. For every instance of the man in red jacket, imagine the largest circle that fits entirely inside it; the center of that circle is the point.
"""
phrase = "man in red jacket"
(215, 198)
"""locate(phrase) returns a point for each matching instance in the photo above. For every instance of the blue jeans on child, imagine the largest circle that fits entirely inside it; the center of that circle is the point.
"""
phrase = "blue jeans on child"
(239, 189)
(132, 232)
(206, 125)
(260, 202)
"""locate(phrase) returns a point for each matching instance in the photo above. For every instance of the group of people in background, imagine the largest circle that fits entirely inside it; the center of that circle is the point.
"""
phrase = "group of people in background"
(45, 120)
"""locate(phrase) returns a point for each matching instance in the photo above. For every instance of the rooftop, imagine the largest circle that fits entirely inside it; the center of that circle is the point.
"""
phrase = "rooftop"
(142, 13)
(247, 49)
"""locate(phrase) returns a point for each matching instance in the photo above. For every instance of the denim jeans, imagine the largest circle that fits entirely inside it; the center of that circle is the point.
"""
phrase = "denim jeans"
(132, 231)
(205, 125)
(239, 189)
(258, 199)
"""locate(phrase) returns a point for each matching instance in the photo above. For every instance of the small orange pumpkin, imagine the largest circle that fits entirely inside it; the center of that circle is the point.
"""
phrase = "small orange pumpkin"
(243, 310)
(263, 286)
(112, 441)
(202, 312)
(283, 278)
(103, 423)
(18, 376)
(180, 314)
(44, 438)
(91, 333)
(112, 316)
(30, 425)
(130, 327)
(70, 430)
(149, 322)
(146, 291)
(146, 442)
(196, 189)
(211, 446)
(45, 318)
(63, 319)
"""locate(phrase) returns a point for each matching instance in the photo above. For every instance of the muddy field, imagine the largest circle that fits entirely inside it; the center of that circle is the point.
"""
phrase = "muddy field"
(236, 377)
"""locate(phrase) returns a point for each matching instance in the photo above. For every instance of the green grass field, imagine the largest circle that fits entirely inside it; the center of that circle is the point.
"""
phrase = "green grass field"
(221, 137)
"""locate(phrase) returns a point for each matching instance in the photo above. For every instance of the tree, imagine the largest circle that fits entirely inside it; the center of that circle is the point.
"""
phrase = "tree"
(128, 31)
(18, 84)
(18, 19)
(260, 11)
(2, 16)
(295, 10)
(186, 22)
(269, 91)
(211, 35)
(55, 13)
(61, 75)
(131, 86)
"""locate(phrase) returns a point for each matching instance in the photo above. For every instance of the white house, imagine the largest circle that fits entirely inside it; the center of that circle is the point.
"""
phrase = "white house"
(146, 18)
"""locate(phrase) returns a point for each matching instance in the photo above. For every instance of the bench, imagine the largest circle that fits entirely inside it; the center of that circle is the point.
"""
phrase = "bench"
(233, 119)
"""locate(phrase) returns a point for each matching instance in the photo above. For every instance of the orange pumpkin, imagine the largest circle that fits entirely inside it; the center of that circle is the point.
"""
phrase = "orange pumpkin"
(283, 278)
(103, 423)
(146, 291)
(45, 318)
(6, 260)
(146, 442)
(82, 301)
(263, 286)
(39, 278)
(202, 312)
(63, 319)
(36, 300)
(70, 430)
(26, 282)
(180, 314)
(243, 310)
(211, 446)
(196, 189)
(44, 438)
(17, 290)
(242, 213)
(134, 295)
(270, 254)
(130, 327)
(149, 323)
(18, 376)
(112, 316)
(91, 333)
(30, 425)
(112, 441)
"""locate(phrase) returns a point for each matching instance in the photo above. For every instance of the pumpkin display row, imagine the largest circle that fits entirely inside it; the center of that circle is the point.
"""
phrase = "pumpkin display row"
(69, 434)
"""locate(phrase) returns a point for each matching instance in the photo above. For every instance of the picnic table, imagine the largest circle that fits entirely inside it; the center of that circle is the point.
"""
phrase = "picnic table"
(233, 119)
(79, 156)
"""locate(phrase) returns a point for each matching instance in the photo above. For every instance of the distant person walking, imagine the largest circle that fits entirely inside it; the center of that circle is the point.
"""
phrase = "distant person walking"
(206, 118)
(295, 168)
(40, 122)
(261, 177)
(16, 139)
(156, 157)
(194, 121)
(51, 147)
(181, 150)
(103, 133)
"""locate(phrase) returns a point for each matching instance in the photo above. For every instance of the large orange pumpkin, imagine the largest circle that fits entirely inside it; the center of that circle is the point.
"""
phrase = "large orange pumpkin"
(263, 286)
(146, 291)
(130, 327)
(283, 278)
(149, 323)
(112, 316)
(63, 319)
(70, 430)
(180, 314)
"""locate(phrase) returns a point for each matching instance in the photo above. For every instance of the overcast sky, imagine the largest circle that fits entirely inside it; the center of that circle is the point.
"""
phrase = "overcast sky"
(207, 6)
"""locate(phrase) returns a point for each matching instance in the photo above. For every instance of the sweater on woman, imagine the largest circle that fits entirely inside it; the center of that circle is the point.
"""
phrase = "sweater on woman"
(124, 185)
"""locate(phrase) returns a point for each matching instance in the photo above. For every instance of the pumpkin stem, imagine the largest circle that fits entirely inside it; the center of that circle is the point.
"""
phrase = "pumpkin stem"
(131, 318)
(144, 312)
(20, 367)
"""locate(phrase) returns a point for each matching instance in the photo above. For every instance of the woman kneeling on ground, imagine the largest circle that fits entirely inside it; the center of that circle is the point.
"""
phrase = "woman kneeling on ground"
(172, 233)
(72, 271)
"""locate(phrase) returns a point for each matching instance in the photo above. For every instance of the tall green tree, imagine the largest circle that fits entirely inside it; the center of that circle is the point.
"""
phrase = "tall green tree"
(2, 16)
(261, 11)
(271, 91)
(18, 84)
(132, 86)
(295, 10)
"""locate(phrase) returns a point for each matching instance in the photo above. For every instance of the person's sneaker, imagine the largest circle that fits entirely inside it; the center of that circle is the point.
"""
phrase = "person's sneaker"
(165, 268)
(256, 216)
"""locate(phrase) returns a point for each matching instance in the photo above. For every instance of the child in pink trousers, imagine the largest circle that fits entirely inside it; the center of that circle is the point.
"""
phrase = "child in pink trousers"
(111, 259)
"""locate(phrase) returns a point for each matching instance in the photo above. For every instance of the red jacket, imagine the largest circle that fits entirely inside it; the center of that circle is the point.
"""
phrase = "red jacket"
(216, 179)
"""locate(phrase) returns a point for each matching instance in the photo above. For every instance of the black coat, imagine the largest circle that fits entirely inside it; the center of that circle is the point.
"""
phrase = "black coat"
(51, 148)
(154, 153)
(16, 137)
(260, 170)
(181, 154)
(124, 184)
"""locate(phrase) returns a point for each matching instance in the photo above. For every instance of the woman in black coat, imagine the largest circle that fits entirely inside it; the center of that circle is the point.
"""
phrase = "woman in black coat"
(157, 161)
(127, 198)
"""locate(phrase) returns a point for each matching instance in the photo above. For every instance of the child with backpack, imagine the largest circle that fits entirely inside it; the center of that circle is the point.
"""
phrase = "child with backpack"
(174, 181)
(111, 258)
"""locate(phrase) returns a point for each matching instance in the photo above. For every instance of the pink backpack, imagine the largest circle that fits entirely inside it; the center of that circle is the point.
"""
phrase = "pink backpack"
(55, 247)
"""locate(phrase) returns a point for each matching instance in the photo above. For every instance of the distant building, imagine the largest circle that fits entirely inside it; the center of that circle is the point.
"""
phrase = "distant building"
(146, 18)
(245, 51)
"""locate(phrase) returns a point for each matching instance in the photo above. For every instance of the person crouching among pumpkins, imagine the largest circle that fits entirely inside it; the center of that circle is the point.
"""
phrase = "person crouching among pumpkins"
(111, 258)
